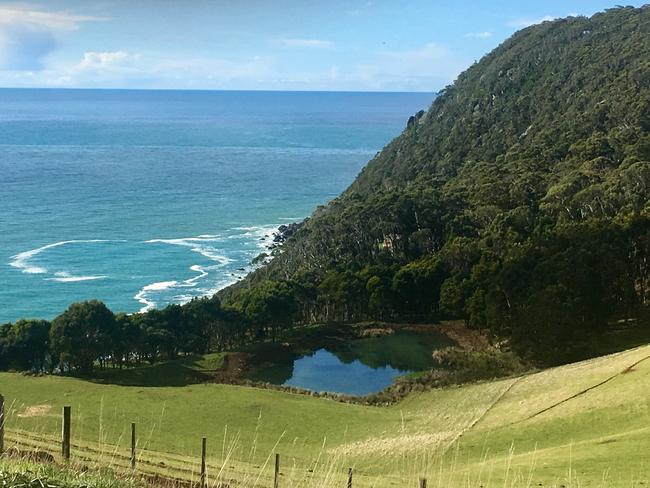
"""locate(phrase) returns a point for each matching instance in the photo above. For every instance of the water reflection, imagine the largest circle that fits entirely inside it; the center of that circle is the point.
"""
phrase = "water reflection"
(357, 367)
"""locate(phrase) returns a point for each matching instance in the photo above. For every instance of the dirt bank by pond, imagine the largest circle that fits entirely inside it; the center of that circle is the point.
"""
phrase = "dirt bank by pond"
(350, 342)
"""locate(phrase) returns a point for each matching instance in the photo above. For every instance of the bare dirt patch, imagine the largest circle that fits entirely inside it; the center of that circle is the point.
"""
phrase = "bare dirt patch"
(235, 364)
(470, 340)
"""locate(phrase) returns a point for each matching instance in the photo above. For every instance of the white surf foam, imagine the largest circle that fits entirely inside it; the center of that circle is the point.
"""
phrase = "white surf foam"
(65, 277)
(143, 295)
(259, 237)
(266, 235)
(199, 269)
(21, 260)
(201, 245)
(162, 285)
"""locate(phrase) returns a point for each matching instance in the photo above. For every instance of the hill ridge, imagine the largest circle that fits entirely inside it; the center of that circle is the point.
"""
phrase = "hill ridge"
(498, 203)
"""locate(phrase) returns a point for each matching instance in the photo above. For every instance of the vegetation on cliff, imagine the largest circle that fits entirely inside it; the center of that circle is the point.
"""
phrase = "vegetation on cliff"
(518, 201)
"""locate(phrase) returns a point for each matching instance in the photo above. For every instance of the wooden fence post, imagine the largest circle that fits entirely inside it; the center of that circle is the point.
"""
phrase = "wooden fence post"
(2, 424)
(423, 483)
(276, 477)
(133, 446)
(350, 478)
(204, 477)
(65, 434)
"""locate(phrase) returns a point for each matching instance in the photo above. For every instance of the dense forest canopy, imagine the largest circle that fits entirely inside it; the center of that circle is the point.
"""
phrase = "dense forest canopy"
(519, 202)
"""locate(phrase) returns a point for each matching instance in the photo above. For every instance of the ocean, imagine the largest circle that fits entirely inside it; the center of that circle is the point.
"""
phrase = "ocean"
(145, 198)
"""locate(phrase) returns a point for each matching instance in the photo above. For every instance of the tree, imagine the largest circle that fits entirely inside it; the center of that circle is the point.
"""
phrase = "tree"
(82, 335)
(126, 340)
(204, 328)
(417, 286)
(30, 348)
(454, 293)
(271, 306)
(6, 343)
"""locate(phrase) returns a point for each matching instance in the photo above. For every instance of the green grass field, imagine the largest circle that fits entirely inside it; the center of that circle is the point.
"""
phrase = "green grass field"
(581, 425)
(20, 473)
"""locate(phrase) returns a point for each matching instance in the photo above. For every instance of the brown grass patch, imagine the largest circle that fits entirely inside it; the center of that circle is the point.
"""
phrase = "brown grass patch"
(391, 445)
(35, 411)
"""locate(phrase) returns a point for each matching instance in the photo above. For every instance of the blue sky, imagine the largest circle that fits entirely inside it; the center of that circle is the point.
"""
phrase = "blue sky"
(363, 45)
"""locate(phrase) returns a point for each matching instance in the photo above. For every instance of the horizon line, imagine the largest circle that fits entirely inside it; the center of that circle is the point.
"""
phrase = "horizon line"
(433, 91)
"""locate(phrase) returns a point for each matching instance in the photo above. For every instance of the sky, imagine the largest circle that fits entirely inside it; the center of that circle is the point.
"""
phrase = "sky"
(346, 45)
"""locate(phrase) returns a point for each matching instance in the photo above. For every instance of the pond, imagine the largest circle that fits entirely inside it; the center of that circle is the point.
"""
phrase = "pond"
(360, 366)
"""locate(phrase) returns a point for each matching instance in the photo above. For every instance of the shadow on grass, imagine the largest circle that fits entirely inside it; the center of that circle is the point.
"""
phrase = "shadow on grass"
(620, 337)
(185, 371)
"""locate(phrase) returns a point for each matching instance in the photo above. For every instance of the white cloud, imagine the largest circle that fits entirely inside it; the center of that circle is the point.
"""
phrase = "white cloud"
(101, 60)
(123, 69)
(479, 35)
(50, 20)
(309, 43)
(27, 36)
(427, 68)
(97, 69)
(527, 22)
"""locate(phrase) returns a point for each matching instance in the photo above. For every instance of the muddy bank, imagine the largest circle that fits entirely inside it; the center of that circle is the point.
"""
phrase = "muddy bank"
(469, 340)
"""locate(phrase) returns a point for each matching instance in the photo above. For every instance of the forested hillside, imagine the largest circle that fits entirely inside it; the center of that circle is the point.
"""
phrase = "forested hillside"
(518, 201)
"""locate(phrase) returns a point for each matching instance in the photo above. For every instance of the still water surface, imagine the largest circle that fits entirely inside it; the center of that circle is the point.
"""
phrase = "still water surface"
(358, 367)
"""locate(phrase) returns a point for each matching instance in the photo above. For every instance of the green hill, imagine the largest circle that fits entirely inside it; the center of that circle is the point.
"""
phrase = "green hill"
(518, 200)
(585, 424)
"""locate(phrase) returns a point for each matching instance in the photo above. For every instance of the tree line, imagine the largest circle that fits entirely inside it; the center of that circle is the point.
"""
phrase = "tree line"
(546, 295)
(89, 335)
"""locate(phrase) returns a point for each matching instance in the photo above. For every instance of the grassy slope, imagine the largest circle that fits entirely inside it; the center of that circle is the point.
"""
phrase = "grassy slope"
(603, 432)
(481, 433)
(25, 474)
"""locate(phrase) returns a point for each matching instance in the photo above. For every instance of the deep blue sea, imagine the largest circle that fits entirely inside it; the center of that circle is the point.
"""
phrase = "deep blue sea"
(144, 198)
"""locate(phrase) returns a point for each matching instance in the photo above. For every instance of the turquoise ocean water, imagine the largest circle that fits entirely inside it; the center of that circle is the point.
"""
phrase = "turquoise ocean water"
(144, 198)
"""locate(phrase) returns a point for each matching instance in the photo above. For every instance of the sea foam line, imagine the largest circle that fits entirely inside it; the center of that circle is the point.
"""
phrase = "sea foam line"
(65, 277)
(200, 245)
(142, 297)
(260, 235)
(195, 245)
(21, 260)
